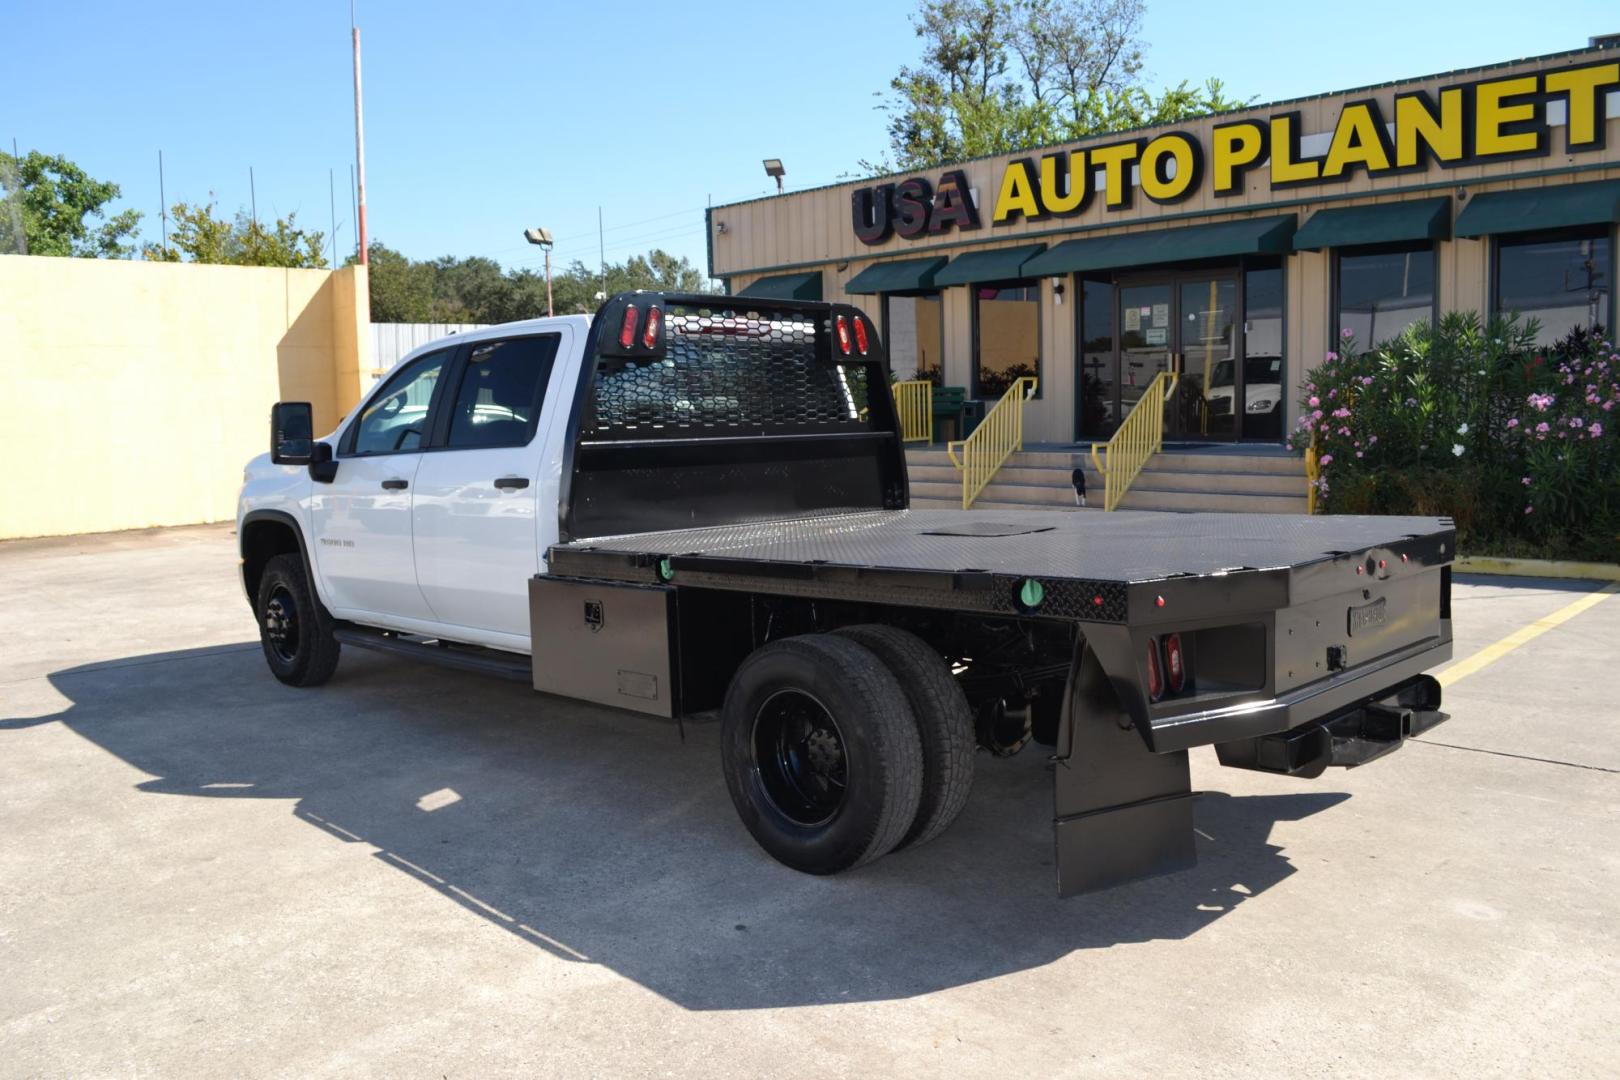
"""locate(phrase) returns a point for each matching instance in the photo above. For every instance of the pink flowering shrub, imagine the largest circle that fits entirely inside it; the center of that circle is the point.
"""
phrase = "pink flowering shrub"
(1470, 420)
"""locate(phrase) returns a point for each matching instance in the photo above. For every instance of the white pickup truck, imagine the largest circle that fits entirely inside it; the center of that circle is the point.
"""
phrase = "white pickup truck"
(692, 503)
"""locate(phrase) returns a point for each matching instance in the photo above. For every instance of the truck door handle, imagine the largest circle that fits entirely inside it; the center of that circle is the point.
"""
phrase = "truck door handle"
(512, 483)
(395, 485)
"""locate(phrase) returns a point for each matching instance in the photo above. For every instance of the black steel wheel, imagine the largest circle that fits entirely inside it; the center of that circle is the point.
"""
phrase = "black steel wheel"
(294, 628)
(944, 724)
(821, 753)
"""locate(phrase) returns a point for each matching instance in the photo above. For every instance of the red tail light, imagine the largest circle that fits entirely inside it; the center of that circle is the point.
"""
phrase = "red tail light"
(627, 332)
(1155, 674)
(649, 336)
(861, 341)
(1175, 665)
(842, 325)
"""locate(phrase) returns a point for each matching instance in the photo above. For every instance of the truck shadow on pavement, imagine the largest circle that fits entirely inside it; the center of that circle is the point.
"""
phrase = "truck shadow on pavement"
(602, 838)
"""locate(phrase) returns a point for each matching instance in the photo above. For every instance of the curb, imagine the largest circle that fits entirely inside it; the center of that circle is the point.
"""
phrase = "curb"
(1540, 568)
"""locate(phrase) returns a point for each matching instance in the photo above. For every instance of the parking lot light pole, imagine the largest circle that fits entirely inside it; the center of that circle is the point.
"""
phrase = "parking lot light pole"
(541, 238)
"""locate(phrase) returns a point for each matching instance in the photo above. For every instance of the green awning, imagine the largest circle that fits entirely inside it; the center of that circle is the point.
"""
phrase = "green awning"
(787, 287)
(1420, 219)
(1529, 209)
(1222, 240)
(898, 276)
(1002, 264)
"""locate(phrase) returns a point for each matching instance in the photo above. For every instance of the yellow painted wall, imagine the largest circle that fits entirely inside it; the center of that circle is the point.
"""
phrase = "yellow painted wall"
(132, 393)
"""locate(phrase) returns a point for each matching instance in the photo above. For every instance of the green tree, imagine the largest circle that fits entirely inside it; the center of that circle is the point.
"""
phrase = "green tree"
(1002, 75)
(477, 290)
(61, 210)
(199, 235)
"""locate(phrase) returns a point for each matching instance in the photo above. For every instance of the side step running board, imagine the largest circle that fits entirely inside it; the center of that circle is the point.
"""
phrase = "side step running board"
(514, 666)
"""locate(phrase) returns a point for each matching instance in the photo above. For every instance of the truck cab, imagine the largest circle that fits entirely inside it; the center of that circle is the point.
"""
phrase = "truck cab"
(443, 494)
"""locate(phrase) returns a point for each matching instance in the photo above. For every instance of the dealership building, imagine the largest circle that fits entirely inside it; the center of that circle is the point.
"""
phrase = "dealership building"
(1233, 249)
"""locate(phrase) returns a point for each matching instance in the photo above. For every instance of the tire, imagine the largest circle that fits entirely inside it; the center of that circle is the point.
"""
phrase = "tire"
(295, 630)
(944, 724)
(821, 753)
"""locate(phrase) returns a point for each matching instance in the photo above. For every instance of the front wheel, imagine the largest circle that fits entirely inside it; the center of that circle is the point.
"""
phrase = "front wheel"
(821, 753)
(294, 629)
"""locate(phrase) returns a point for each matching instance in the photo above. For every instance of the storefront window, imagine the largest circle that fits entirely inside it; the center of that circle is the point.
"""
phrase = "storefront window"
(1007, 335)
(914, 328)
(1562, 282)
(1098, 406)
(1265, 389)
(1382, 292)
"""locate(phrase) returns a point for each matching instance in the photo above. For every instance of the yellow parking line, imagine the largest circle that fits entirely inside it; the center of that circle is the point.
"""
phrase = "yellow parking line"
(1525, 634)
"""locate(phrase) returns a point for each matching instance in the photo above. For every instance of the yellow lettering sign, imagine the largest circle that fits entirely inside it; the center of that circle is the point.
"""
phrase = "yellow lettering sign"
(1359, 138)
(1235, 147)
(1156, 182)
(1585, 88)
(1116, 177)
(1079, 174)
(1017, 194)
(1422, 127)
(1493, 112)
(1286, 166)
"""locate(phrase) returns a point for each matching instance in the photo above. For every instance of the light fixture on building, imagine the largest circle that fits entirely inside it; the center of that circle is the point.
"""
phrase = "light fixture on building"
(773, 168)
(720, 227)
(541, 238)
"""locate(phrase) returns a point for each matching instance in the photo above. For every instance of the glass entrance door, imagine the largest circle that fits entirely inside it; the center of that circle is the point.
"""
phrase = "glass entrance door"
(1147, 330)
(1209, 400)
(1185, 323)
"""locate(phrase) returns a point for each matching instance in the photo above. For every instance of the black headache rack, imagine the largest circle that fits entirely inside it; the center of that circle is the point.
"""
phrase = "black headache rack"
(703, 410)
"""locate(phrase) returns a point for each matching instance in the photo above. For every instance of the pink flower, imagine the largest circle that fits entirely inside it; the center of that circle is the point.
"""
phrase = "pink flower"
(1366, 380)
(1525, 481)
(1332, 356)
(1529, 509)
(1316, 414)
(1596, 430)
(1315, 401)
(1346, 333)
(1513, 423)
(1358, 453)
(1576, 422)
(1345, 432)
(1542, 428)
(1372, 440)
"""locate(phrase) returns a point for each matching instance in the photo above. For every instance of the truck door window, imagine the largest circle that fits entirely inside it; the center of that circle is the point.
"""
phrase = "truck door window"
(501, 392)
(396, 420)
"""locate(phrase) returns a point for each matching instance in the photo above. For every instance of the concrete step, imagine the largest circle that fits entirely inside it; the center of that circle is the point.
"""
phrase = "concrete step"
(1187, 502)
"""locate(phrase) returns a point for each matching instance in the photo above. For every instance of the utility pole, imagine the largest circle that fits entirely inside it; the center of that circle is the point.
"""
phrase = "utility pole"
(163, 206)
(549, 311)
(253, 196)
(331, 197)
(601, 250)
(359, 145)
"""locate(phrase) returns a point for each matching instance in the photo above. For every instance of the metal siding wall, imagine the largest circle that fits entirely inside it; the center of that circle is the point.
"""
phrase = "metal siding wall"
(391, 341)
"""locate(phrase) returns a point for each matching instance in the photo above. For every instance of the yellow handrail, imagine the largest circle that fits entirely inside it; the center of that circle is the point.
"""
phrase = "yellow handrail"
(1313, 473)
(914, 403)
(998, 435)
(1138, 439)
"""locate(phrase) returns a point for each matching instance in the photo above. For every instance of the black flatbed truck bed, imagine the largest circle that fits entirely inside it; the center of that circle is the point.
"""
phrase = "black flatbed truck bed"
(1304, 639)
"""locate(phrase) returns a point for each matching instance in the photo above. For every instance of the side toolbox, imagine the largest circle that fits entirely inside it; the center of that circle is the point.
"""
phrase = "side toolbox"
(607, 642)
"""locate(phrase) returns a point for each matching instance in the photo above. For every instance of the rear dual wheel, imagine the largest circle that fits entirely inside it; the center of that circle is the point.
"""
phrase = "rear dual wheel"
(827, 760)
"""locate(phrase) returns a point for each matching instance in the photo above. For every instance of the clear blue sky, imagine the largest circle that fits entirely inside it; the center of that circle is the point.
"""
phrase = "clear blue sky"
(485, 116)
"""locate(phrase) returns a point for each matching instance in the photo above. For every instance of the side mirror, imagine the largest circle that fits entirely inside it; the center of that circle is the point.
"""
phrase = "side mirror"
(322, 466)
(292, 434)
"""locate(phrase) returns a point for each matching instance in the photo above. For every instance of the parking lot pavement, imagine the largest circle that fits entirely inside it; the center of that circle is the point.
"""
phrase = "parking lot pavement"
(416, 871)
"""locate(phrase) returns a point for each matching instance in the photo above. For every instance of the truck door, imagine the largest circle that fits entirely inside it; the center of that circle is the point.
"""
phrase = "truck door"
(477, 494)
(362, 520)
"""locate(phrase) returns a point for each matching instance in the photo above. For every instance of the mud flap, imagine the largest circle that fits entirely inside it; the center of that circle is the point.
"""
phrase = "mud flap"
(1120, 811)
